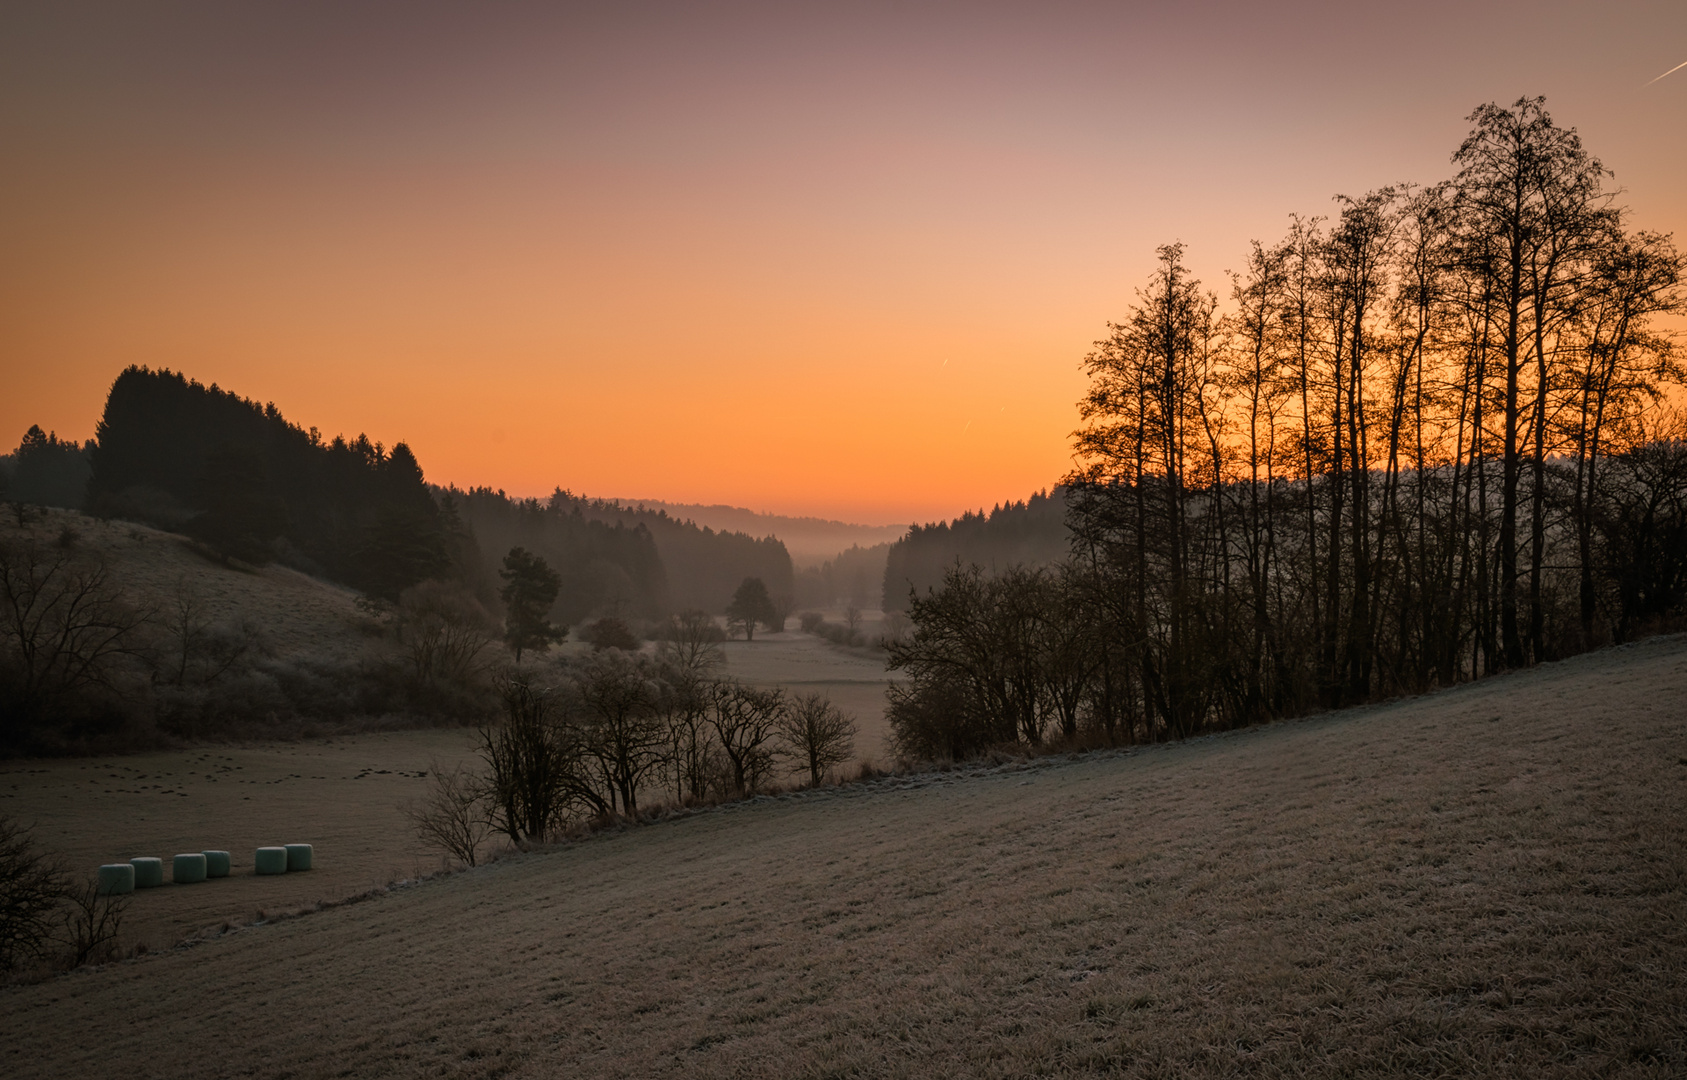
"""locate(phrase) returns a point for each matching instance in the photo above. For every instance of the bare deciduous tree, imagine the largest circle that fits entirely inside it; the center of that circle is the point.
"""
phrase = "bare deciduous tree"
(532, 765)
(32, 886)
(744, 719)
(64, 628)
(452, 816)
(691, 642)
(816, 735)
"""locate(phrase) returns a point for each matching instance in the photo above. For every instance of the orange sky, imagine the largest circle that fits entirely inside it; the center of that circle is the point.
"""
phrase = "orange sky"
(842, 264)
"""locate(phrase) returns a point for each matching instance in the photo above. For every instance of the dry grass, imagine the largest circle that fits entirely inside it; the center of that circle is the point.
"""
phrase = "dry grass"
(344, 795)
(1489, 881)
(299, 617)
(854, 679)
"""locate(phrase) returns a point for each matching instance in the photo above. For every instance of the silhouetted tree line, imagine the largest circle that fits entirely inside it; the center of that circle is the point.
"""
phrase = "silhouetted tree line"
(704, 567)
(1426, 441)
(250, 485)
(609, 734)
(603, 568)
(45, 471)
(1028, 533)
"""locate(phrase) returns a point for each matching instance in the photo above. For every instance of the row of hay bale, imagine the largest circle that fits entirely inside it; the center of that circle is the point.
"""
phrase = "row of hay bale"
(146, 872)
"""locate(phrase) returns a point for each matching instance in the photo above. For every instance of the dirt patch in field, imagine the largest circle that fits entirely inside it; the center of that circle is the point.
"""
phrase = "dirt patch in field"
(1488, 881)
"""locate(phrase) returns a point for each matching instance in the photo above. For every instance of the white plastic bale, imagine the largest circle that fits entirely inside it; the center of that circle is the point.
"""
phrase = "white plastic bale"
(298, 857)
(115, 879)
(216, 863)
(188, 869)
(149, 872)
(270, 860)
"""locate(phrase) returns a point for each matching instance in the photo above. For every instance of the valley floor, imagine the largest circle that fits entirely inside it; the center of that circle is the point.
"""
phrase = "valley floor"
(1490, 880)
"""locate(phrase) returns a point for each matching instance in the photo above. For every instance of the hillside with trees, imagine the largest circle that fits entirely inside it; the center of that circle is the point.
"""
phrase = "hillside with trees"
(1028, 533)
(1429, 439)
(253, 487)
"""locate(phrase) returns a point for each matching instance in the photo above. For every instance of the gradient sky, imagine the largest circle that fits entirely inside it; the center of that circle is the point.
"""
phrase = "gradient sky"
(840, 260)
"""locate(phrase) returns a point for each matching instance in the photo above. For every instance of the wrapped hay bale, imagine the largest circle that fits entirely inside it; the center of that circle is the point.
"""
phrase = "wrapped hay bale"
(188, 869)
(216, 863)
(149, 872)
(298, 857)
(115, 879)
(270, 860)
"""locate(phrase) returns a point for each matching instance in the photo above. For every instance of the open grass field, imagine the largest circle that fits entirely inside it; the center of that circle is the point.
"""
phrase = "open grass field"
(345, 795)
(853, 678)
(1488, 881)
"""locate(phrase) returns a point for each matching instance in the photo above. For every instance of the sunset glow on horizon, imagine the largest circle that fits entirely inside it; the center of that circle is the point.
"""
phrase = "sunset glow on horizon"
(840, 264)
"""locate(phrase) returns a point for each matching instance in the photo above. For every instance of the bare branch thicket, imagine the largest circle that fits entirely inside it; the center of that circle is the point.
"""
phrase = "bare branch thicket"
(91, 924)
(33, 885)
(453, 816)
(65, 627)
(533, 765)
(620, 722)
(690, 642)
(446, 632)
(1430, 441)
(816, 735)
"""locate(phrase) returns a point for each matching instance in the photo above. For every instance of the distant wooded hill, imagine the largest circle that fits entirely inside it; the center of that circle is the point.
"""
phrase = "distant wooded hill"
(810, 540)
(1029, 533)
(626, 560)
(239, 477)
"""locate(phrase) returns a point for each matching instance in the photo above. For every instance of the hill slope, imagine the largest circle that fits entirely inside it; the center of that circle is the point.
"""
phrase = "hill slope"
(298, 616)
(1487, 881)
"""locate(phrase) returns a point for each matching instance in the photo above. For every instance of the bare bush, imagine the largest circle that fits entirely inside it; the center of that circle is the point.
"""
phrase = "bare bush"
(452, 816)
(691, 642)
(446, 632)
(91, 924)
(816, 735)
(32, 886)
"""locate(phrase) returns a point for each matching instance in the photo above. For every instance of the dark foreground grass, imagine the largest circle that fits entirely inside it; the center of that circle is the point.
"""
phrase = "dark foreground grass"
(1490, 881)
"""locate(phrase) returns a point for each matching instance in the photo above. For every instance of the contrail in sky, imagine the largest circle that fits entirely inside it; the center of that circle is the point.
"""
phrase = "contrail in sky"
(1671, 71)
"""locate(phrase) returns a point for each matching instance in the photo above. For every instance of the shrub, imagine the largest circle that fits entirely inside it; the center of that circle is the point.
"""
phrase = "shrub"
(32, 886)
(611, 633)
(452, 816)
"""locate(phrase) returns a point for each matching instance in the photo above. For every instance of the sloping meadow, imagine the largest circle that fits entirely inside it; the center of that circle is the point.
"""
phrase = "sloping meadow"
(1488, 881)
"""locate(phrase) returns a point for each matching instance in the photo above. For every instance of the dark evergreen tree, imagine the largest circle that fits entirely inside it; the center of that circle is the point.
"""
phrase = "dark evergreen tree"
(530, 588)
(47, 471)
(181, 455)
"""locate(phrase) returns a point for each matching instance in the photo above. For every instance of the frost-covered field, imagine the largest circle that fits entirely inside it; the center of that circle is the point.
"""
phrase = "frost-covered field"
(1487, 881)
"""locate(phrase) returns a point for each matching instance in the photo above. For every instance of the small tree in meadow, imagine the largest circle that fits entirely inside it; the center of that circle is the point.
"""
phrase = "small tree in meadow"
(816, 735)
(750, 605)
